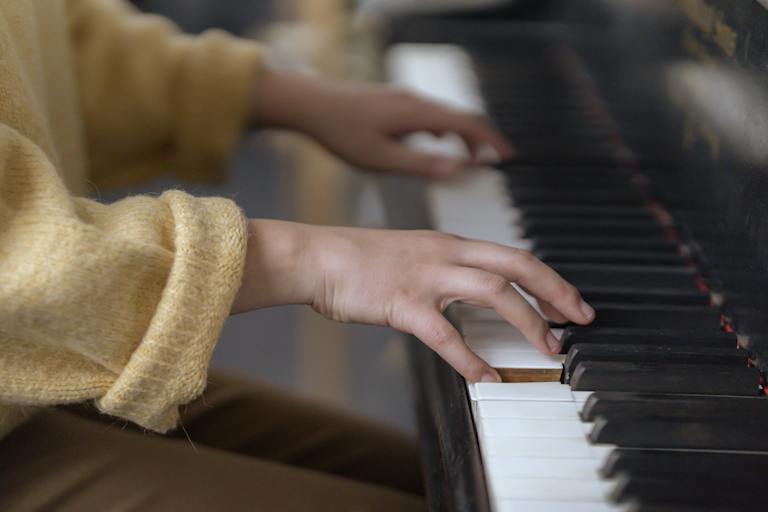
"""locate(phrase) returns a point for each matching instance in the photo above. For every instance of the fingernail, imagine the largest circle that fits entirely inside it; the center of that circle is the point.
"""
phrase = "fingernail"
(553, 343)
(490, 377)
(587, 311)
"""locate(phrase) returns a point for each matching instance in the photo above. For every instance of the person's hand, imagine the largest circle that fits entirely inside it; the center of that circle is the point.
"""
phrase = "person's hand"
(365, 124)
(405, 279)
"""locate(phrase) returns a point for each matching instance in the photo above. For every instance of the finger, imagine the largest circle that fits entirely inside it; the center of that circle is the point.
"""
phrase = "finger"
(548, 309)
(494, 291)
(398, 157)
(437, 333)
(529, 272)
(474, 129)
(552, 312)
(478, 135)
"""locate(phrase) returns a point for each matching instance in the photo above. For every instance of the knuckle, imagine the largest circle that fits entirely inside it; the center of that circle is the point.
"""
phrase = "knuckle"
(496, 285)
(438, 336)
(476, 120)
(398, 312)
(566, 293)
(474, 370)
(477, 117)
(525, 258)
(571, 294)
(534, 326)
(437, 241)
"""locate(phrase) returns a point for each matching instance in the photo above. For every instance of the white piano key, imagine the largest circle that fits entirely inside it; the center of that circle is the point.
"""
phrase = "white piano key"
(566, 448)
(479, 185)
(602, 451)
(496, 335)
(556, 506)
(581, 396)
(474, 327)
(526, 409)
(536, 391)
(523, 427)
(487, 233)
(513, 342)
(498, 343)
(485, 212)
(539, 467)
(563, 490)
(440, 71)
(520, 359)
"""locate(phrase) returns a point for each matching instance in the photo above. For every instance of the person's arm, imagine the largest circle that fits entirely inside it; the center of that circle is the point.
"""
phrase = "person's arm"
(120, 303)
(365, 124)
(404, 279)
(155, 100)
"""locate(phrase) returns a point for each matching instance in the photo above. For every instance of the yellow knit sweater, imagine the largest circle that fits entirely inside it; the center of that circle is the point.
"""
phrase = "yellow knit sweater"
(120, 303)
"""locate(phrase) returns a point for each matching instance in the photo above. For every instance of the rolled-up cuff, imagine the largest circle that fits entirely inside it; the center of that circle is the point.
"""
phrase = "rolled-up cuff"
(169, 367)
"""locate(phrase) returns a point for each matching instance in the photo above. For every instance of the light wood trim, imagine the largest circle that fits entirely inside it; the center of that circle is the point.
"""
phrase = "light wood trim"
(529, 375)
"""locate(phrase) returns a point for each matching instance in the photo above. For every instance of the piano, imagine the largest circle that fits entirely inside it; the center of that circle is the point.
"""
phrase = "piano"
(642, 177)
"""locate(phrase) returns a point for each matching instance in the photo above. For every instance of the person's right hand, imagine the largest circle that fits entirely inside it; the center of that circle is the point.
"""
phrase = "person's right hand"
(405, 279)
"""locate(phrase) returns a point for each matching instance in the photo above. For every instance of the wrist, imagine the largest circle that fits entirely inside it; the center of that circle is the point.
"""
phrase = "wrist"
(287, 100)
(274, 271)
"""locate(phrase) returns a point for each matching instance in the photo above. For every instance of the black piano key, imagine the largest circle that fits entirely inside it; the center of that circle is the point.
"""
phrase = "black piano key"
(668, 463)
(525, 129)
(749, 321)
(680, 433)
(566, 178)
(513, 168)
(587, 212)
(645, 336)
(652, 354)
(590, 227)
(601, 196)
(556, 155)
(616, 404)
(582, 274)
(661, 316)
(665, 378)
(738, 279)
(624, 243)
(701, 494)
(611, 257)
(659, 296)
(758, 348)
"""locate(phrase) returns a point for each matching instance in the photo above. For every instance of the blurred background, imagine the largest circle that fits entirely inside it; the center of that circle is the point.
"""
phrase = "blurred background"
(280, 175)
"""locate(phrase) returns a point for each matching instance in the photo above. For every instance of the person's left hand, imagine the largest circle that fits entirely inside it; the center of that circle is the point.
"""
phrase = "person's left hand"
(365, 124)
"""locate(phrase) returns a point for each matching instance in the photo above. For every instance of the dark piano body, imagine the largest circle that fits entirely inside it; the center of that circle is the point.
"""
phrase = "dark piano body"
(683, 107)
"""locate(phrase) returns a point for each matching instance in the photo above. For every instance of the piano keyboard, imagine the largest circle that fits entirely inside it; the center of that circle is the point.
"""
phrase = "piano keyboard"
(640, 420)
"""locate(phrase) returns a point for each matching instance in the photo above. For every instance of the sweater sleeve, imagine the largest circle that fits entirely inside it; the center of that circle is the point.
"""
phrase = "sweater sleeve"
(120, 303)
(154, 99)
